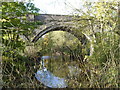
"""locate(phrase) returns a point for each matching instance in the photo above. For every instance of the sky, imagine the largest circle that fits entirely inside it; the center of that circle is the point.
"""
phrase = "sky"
(62, 7)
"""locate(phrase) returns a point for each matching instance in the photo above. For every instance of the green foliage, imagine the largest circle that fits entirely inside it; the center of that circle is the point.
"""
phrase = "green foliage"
(99, 21)
(15, 23)
(31, 8)
(104, 62)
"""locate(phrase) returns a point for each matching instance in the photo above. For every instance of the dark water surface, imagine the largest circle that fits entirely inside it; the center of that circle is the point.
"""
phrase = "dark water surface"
(55, 72)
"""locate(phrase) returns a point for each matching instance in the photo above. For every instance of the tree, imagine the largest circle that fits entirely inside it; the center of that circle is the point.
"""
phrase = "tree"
(102, 27)
(15, 23)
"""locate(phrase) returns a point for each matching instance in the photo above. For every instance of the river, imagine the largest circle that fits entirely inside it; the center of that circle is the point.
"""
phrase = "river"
(55, 73)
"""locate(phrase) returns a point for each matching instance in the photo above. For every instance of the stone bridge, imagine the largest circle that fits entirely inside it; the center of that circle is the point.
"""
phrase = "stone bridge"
(57, 23)
(53, 23)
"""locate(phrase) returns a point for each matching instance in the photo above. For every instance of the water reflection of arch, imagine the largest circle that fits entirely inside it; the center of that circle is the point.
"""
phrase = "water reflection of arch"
(83, 38)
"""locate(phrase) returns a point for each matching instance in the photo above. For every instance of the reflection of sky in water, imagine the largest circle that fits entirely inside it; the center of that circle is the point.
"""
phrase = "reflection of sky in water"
(45, 57)
(48, 79)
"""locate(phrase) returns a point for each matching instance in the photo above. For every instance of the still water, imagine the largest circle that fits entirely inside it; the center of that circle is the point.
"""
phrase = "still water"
(55, 73)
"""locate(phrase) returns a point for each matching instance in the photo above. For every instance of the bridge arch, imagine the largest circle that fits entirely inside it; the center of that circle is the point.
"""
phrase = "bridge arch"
(83, 38)
(68, 29)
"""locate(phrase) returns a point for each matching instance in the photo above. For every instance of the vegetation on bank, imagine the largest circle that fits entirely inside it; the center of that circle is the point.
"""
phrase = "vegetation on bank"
(100, 21)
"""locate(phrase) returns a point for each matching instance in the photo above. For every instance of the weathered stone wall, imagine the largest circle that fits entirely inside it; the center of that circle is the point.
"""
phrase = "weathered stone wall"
(46, 18)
